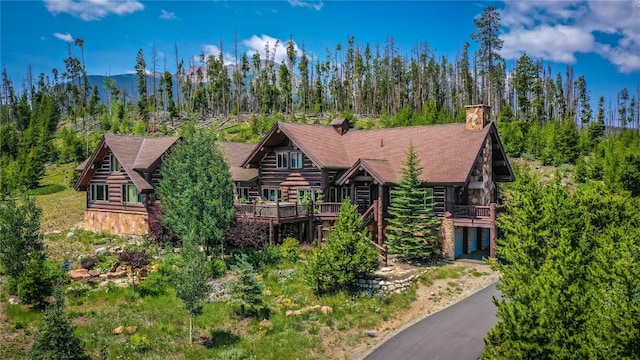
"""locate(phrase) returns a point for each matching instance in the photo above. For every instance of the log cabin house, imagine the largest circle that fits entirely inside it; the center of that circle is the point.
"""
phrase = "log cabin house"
(122, 173)
(461, 165)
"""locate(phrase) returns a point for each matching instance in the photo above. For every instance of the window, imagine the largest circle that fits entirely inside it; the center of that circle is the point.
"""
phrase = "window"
(345, 193)
(282, 160)
(130, 194)
(296, 160)
(114, 165)
(98, 192)
(243, 193)
(427, 197)
(272, 194)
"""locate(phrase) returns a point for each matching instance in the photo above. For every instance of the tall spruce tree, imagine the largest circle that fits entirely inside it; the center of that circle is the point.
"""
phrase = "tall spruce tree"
(413, 228)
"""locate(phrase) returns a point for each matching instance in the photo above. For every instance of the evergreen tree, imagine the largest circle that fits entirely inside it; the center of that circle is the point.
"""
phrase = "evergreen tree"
(346, 256)
(34, 284)
(141, 71)
(19, 234)
(246, 290)
(487, 37)
(197, 191)
(56, 338)
(413, 228)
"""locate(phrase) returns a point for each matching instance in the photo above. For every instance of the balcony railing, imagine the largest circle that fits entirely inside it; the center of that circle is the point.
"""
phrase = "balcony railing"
(285, 210)
(472, 212)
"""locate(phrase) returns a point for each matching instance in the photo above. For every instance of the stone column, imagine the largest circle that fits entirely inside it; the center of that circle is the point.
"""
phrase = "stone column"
(448, 231)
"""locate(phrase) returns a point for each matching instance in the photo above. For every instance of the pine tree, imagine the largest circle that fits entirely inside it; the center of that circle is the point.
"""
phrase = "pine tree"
(246, 290)
(56, 338)
(413, 228)
(34, 284)
(141, 71)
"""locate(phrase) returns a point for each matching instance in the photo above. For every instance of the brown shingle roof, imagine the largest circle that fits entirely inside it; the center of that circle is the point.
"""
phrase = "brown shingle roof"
(447, 152)
(235, 154)
(135, 153)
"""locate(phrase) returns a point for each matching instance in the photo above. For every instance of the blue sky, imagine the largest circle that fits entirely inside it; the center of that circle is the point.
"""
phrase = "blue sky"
(601, 39)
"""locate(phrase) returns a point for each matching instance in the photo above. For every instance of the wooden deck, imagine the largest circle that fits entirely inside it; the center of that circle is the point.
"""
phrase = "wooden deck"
(287, 212)
(473, 216)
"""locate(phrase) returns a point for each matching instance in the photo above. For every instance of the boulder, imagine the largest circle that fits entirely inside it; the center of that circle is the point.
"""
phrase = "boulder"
(94, 272)
(116, 274)
(132, 329)
(115, 249)
(70, 235)
(118, 330)
(101, 250)
(372, 333)
(14, 301)
(326, 309)
(78, 274)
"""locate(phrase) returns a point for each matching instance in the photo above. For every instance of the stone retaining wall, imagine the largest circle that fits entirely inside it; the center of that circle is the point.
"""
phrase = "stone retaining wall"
(386, 286)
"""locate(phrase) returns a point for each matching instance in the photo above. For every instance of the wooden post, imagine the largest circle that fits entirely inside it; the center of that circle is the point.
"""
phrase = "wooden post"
(254, 208)
(271, 231)
(353, 193)
(278, 211)
(380, 217)
(319, 236)
(493, 230)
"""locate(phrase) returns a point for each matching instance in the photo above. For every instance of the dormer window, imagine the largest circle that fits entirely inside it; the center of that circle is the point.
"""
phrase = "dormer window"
(282, 160)
(114, 165)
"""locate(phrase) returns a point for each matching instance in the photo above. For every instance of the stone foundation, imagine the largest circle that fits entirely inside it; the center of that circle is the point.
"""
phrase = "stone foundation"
(119, 223)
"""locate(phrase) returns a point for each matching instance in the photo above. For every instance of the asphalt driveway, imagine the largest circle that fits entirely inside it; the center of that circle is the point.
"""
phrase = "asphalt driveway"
(455, 333)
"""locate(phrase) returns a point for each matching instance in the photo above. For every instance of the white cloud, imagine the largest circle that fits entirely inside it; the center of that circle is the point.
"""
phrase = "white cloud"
(89, 10)
(64, 37)
(213, 50)
(315, 5)
(257, 44)
(557, 30)
(166, 15)
(556, 43)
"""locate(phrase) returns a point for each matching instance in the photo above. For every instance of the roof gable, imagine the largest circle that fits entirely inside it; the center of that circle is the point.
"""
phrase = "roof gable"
(135, 154)
(447, 152)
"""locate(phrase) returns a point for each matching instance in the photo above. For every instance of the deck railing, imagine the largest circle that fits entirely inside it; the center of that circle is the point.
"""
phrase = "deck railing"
(470, 211)
(285, 210)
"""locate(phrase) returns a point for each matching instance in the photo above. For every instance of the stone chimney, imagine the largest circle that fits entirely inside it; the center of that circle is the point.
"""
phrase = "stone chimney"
(340, 125)
(477, 116)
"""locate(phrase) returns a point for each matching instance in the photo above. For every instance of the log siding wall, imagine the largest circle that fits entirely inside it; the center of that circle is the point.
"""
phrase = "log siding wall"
(271, 176)
(115, 181)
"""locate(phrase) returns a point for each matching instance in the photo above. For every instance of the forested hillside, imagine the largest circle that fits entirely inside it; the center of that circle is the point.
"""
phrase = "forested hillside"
(58, 117)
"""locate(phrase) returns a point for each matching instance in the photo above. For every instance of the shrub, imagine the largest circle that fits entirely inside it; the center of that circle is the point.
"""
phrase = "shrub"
(290, 249)
(139, 343)
(246, 234)
(218, 268)
(158, 233)
(135, 259)
(89, 262)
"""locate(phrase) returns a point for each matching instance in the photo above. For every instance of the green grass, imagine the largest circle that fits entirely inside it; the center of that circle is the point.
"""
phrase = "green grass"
(219, 333)
(442, 272)
(62, 206)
